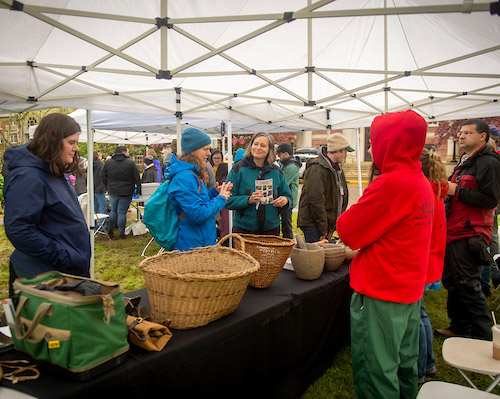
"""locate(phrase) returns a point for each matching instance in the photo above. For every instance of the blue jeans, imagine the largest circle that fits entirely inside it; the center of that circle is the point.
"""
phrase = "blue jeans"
(311, 234)
(426, 359)
(118, 214)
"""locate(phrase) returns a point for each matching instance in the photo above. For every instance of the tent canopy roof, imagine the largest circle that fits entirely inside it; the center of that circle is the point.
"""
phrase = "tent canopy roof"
(298, 63)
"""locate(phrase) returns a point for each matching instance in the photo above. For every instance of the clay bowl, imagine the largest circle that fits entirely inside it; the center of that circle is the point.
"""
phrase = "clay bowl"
(334, 255)
(309, 263)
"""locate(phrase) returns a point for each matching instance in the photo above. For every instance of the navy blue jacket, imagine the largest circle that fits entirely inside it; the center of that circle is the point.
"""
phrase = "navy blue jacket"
(43, 219)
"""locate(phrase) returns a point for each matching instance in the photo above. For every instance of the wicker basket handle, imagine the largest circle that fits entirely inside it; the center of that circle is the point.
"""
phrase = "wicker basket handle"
(240, 238)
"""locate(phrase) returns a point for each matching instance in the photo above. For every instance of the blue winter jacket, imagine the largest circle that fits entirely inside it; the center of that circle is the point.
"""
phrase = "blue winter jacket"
(188, 193)
(43, 219)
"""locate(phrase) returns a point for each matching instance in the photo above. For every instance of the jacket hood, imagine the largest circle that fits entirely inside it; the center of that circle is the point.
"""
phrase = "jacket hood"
(296, 160)
(175, 166)
(119, 157)
(397, 140)
(19, 155)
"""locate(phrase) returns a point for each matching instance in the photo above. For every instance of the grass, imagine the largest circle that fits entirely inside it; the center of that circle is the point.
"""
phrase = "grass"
(118, 260)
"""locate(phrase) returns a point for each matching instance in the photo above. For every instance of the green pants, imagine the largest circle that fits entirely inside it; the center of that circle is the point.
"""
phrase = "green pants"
(384, 342)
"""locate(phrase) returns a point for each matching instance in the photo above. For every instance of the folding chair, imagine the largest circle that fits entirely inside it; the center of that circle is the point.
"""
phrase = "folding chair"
(472, 355)
(99, 218)
(446, 390)
(161, 250)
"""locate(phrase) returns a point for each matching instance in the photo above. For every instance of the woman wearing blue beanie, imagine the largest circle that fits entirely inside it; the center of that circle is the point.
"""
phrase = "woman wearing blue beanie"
(252, 214)
(193, 202)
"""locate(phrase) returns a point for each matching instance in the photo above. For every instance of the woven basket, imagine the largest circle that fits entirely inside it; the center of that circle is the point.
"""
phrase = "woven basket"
(334, 256)
(193, 288)
(309, 263)
(270, 251)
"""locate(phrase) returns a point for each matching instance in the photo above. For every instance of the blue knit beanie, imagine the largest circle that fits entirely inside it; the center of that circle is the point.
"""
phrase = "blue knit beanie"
(193, 139)
(239, 155)
(494, 131)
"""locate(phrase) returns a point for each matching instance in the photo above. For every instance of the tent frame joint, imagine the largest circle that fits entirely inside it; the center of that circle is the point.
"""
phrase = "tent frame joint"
(164, 74)
(163, 22)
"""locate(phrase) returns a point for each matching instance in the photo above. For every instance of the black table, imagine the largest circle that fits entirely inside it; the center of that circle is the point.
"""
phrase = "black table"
(276, 343)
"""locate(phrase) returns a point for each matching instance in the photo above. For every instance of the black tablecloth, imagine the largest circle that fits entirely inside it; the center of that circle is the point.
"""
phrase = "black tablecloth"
(276, 343)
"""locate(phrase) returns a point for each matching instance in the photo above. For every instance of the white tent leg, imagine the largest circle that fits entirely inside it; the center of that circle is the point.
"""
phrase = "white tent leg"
(229, 167)
(90, 188)
(358, 159)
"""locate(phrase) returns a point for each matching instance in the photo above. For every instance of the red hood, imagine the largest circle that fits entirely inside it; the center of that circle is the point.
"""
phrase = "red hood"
(398, 140)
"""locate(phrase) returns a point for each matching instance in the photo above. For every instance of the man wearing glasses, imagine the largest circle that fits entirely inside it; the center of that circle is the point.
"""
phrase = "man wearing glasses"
(474, 191)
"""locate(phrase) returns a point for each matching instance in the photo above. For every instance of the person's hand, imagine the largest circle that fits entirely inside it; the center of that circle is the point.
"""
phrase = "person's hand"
(452, 187)
(280, 201)
(224, 190)
(255, 197)
(229, 186)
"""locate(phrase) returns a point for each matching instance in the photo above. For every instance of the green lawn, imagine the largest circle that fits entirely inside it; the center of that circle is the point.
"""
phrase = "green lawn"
(118, 260)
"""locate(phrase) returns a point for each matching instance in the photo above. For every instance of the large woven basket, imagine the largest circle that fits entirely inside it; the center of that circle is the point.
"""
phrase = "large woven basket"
(193, 288)
(270, 251)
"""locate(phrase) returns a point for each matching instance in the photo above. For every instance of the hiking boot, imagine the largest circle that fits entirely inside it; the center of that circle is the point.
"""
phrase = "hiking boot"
(431, 372)
(444, 332)
(110, 233)
(123, 236)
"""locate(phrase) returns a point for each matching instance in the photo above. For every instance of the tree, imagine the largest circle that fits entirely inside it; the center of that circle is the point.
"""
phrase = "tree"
(449, 129)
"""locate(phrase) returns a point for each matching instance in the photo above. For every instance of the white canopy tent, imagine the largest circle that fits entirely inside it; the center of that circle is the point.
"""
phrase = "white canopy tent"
(297, 62)
(291, 63)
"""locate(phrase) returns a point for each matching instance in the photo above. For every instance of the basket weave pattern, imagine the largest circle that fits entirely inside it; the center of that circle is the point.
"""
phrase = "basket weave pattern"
(270, 251)
(193, 288)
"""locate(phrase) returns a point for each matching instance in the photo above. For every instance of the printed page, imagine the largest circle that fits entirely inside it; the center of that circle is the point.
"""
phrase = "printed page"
(266, 186)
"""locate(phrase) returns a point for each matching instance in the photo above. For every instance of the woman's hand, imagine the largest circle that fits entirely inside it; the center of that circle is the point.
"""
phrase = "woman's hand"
(280, 201)
(218, 187)
(255, 197)
(225, 190)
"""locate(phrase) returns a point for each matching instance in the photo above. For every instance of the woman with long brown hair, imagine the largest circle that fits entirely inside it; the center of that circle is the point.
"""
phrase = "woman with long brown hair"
(253, 213)
(195, 205)
(43, 219)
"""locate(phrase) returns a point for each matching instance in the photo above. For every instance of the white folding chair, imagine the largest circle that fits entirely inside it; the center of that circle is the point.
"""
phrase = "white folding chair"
(161, 250)
(99, 218)
(446, 390)
(469, 355)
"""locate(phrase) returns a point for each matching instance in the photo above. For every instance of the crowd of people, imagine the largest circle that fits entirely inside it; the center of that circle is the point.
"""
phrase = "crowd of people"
(413, 225)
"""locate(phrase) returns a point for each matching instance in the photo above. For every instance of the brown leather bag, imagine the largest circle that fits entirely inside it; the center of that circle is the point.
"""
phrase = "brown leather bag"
(146, 333)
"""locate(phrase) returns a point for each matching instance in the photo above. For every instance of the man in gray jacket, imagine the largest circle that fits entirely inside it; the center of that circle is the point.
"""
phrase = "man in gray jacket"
(121, 176)
(324, 194)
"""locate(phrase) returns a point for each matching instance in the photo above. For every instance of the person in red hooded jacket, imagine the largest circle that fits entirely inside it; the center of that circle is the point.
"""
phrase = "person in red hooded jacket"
(392, 225)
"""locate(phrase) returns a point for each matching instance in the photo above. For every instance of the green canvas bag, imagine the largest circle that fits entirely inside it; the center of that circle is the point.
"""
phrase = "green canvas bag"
(83, 334)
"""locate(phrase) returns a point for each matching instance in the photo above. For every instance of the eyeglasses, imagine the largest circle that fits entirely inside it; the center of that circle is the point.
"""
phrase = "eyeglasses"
(466, 133)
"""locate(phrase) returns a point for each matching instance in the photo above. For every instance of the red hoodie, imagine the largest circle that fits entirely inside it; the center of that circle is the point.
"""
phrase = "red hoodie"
(393, 221)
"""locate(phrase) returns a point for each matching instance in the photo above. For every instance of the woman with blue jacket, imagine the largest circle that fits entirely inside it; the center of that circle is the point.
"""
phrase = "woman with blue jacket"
(43, 219)
(251, 215)
(195, 205)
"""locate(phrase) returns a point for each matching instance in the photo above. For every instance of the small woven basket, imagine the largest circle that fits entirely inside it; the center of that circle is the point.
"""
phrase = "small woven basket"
(270, 251)
(334, 255)
(309, 263)
(193, 288)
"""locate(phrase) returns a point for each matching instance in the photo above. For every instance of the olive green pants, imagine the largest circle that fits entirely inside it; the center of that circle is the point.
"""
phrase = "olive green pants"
(384, 342)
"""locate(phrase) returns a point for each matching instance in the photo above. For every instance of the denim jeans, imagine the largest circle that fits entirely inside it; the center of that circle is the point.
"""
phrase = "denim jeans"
(426, 359)
(311, 234)
(118, 214)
